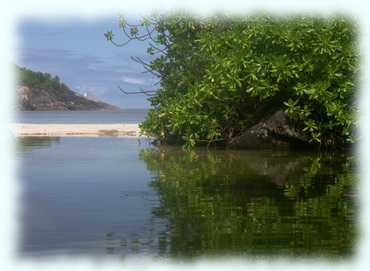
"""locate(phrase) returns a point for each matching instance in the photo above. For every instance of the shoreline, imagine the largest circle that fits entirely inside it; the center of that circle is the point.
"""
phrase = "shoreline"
(131, 130)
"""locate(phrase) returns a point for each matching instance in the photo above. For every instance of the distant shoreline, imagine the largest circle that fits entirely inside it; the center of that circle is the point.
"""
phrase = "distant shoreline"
(86, 130)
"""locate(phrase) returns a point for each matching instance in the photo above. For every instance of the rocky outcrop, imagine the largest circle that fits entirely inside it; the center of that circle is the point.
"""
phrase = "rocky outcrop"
(274, 132)
(30, 98)
(41, 91)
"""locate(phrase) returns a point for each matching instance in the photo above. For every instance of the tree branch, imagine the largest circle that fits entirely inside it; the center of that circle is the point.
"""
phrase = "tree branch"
(158, 49)
(145, 65)
(146, 92)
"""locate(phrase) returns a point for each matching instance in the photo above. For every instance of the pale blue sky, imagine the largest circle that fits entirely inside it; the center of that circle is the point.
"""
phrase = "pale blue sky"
(79, 54)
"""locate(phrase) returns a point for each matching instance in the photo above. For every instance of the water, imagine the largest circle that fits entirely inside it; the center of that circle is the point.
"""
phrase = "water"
(114, 196)
(124, 116)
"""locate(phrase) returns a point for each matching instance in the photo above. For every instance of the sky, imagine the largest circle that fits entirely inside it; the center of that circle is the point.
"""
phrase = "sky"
(77, 51)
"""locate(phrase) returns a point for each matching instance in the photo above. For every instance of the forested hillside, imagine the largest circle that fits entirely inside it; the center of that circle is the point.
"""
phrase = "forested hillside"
(42, 91)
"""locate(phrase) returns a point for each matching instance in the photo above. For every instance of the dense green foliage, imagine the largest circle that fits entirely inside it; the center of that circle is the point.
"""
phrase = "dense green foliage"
(254, 202)
(219, 76)
(40, 80)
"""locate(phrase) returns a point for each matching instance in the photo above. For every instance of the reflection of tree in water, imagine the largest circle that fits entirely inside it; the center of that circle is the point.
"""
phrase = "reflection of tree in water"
(258, 203)
(29, 143)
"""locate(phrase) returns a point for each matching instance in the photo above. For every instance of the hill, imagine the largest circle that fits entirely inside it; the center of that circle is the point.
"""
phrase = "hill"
(42, 91)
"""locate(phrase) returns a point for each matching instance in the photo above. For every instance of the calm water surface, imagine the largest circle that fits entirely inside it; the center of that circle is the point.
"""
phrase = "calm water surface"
(112, 196)
(124, 116)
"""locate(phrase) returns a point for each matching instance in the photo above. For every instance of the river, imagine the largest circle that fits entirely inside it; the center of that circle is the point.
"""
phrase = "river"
(116, 196)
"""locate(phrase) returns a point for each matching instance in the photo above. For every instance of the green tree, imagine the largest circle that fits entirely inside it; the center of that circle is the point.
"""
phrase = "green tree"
(220, 75)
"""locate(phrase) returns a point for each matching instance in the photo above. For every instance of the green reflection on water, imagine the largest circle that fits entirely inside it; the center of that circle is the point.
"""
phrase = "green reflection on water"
(254, 202)
(24, 144)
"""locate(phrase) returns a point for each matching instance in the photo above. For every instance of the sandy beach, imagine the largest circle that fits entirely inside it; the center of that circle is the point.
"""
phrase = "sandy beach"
(119, 130)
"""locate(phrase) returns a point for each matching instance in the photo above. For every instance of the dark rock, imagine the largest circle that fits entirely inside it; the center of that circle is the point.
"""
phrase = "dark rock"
(30, 98)
(276, 131)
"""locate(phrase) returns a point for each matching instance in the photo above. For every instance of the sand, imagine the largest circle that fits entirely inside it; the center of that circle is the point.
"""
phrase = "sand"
(116, 129)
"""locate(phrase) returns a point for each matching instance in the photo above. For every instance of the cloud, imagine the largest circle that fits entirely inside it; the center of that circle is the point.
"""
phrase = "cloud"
(55, 33)
(80, 56)
(133, 80)
(27, 53)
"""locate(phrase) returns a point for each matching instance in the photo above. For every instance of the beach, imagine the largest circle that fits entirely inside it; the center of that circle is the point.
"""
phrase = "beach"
(45, 129)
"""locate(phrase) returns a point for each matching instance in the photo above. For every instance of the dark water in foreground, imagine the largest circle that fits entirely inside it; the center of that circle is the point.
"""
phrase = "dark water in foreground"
(111, 196)
(124, 116)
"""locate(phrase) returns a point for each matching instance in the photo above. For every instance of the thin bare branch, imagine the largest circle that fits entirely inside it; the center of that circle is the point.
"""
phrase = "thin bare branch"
(130, 38)
(119, 44)
(136, 37)
(158, 49)
(141, 91)
(145, 65)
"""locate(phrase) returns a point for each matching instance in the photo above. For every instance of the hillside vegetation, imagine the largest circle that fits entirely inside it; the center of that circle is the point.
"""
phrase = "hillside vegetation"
(42, 91)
